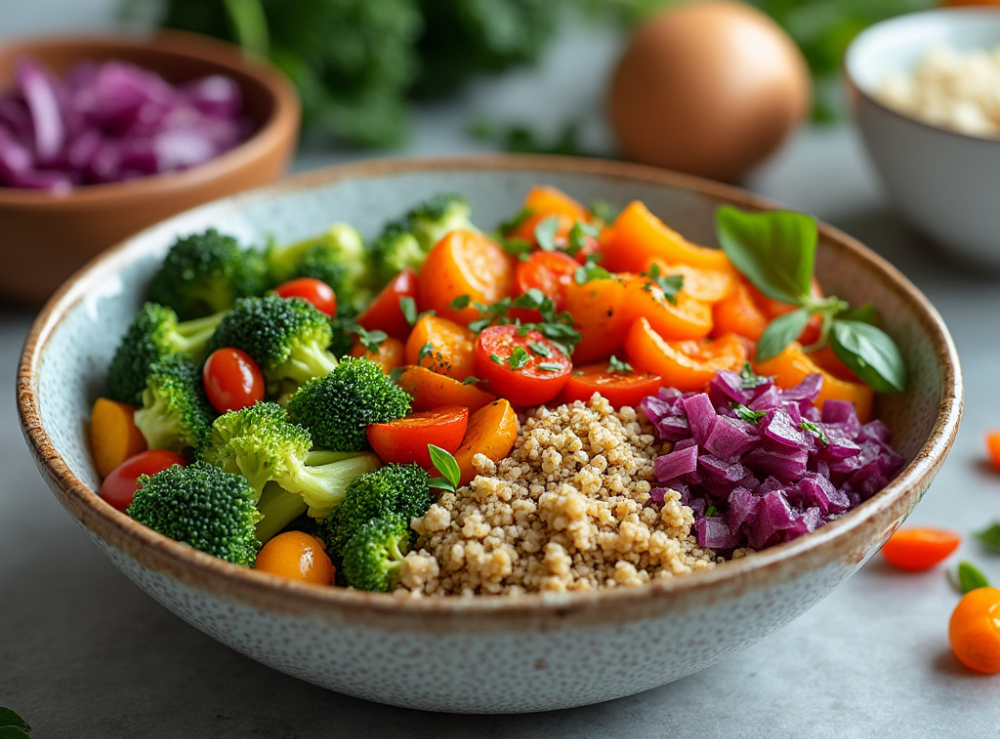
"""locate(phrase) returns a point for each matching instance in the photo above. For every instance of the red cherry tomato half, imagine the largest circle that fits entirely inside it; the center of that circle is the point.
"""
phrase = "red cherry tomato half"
(119, 487)
(315, 291)
(620, 388)
(405, 439)
(385, 312)
(548, 271)
(232, 380)
(527, 370)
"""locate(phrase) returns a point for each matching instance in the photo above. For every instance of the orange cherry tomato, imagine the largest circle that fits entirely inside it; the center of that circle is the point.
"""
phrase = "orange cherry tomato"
(993, 447)
(442, 346)
(598, 310)
(232, 380)
(544, 201)
(390, 354)
(637, 236)
(315, 291)
(793, 365)
(405, 439)
(119, 487)
(677, 320)
(527, 370)
(919, 549)
(547, 271)
(685, 365)
(620, 388)
(464, 263)
(295, 555)
(974, 630)
(526, 228)
(385, 312)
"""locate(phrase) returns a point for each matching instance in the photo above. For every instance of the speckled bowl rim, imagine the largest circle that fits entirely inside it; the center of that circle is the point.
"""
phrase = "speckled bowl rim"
(856, 89)
(284, 117)
(846, 539)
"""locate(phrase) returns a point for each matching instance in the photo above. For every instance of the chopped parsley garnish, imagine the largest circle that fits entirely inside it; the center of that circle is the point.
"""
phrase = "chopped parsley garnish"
(590, 271)
(540, 349)
(710, 511)
(371, 340)
(518, 358)
(750, 378)
(748, 415)
(810, 426)
(459, 303)
(471, 380)
(545, 233)
(409, 307)
(496, 359)
(556, 327)
(669, 284)
(604, 211)
(617, 365)
(578, 237)
(549, 367)
(512, 223)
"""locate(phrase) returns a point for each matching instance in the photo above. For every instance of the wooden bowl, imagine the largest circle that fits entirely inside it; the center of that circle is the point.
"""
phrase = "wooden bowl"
(480, 654)
(46, 237)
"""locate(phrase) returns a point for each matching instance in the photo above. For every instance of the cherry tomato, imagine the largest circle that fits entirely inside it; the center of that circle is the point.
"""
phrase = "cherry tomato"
(919, 549)
(232, 380)
(385, 312)
(295, 555)
(405, 439)
(548, 271)
(620, 388)
(119, 487)
(527, 370)
(315, 291)
(974, 630)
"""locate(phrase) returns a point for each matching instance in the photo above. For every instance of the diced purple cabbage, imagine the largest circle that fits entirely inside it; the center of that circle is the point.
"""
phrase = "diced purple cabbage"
(774, 480)
(112, 122)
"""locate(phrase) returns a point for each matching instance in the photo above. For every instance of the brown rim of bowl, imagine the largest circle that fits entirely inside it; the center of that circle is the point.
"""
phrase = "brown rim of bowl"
(860, 92)
(843, 539)
(192, 46)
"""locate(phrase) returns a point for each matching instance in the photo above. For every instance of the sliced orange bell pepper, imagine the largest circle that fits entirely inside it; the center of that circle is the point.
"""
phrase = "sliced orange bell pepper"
(464, 263)
(442, 346)
(685, 365)
(677, 320)
(492, 432)
(432, 390)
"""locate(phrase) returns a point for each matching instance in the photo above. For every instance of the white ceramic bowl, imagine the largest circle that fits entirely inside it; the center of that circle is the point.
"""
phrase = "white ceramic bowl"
(942, 182)
(484, 654)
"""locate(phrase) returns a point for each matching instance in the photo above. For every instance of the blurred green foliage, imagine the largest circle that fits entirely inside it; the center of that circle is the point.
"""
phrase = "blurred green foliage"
(358, 64)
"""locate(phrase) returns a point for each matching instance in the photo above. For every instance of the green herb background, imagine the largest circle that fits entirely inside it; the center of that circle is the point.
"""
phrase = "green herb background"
(359, 65)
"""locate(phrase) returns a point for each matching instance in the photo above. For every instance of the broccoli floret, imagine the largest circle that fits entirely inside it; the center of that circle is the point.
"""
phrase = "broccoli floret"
(394, 488)
(202, 506)
(205, 273)
(337, 408)
(287, 338)
(433, 219)
(405, 242)
(338, 258)
(154, 335)
(374, 555)
(261, 444)
(175, 412)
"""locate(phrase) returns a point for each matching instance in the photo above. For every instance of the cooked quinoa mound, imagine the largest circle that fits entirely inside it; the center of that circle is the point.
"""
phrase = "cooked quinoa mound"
(567, 510)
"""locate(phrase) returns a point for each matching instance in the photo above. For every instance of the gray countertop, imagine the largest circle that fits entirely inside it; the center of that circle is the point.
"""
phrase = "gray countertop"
(84, 653)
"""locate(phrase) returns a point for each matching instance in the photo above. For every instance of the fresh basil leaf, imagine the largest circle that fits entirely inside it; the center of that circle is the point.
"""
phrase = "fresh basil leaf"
(13, 732)
(459, 303)
(578, 237)
(990, 537)
(865, 314)
(534, 298)
(11, 719)
(545, 233)
(776, 250)
(478, 325)
(870, 353)
(970, 578)
(445, 464)
(617, 365)
(781, 332)
(517, 247)
(495, 359)
(409, 307)
(371, 340)
(439, 483)
(518, 358)
(590, 271)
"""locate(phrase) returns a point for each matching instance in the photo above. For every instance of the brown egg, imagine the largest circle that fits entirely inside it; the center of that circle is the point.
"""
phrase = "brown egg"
(710, 88)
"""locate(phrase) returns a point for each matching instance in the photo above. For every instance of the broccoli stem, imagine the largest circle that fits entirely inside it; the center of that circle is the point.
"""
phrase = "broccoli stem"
(323, 486)
(305, 363)
(192, 336)
(279, 508)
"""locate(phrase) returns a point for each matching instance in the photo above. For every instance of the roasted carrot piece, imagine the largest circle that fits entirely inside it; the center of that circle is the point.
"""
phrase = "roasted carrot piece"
(114, 436)
(432, 390)
(442, 346)
(677, 320)
(492, 432)
(598, 310)
(390, 354)
(993, 446)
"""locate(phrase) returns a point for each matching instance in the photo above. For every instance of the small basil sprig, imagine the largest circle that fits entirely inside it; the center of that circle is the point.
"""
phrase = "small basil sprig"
(968, 577)
(451, 473)
(12, 726)
(776, 250)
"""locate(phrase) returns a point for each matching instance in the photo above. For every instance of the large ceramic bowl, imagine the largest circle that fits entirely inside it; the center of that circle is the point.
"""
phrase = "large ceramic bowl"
(47, 237)
(483, 654)
(941, 182)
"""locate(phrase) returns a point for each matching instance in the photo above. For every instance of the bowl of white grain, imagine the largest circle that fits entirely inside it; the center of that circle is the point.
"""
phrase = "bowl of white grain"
(926, 98)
